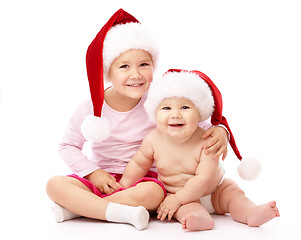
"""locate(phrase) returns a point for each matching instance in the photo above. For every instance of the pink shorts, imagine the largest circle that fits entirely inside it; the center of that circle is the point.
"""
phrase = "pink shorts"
(149, 177)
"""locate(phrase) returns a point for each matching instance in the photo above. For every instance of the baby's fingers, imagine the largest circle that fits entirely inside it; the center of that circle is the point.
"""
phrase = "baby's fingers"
(170, 214)
(163, 212)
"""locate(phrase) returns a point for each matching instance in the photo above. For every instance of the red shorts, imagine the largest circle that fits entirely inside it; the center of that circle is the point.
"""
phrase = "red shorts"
(149, 177)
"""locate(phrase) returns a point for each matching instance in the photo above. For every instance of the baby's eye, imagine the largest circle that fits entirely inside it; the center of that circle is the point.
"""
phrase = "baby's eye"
(185, 107)
(124, 66)
(166, 108)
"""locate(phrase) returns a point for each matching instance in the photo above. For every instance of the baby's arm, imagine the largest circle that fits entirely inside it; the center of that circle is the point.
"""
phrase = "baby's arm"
(194, 188)
(141, 162)
(201, 183)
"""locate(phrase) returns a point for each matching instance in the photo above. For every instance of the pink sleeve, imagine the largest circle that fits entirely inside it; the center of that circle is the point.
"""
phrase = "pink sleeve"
(70, 149)
(205, 124)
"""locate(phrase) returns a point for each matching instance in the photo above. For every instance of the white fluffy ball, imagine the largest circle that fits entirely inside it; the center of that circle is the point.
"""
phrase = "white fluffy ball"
(249, 169)
(95, 129)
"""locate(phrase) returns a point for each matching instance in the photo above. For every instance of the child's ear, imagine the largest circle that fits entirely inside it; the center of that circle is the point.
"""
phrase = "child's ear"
(200, 117)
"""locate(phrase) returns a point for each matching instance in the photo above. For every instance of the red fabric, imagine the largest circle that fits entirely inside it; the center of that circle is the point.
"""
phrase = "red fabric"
(217, 116)
(94, 59)
(149, 177)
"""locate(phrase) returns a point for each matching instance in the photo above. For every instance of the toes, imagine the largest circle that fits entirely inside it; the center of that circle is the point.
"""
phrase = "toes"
(276, 211)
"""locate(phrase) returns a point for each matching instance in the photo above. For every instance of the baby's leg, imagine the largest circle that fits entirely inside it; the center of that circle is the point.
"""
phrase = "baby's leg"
(194, 217)
(229, 198)
(262, 214)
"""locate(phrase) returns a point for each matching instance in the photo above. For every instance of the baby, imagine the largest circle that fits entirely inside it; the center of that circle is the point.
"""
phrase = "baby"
(194, 180)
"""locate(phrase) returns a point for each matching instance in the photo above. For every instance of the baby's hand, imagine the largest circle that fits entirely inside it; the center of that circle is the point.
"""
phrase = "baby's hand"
(217, 141)
(168, 207)
(104, 181)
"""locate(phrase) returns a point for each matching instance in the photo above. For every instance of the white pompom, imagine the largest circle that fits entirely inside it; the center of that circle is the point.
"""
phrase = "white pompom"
(95, 129)
(249, 169)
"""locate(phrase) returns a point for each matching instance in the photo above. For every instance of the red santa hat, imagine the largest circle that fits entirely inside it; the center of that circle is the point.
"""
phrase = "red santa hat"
(198, 88)
(121, 33)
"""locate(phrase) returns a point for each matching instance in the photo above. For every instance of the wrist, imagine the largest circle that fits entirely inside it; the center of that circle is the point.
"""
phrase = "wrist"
(124, 182)
(90, 175)
(178, 198)
(226, 131)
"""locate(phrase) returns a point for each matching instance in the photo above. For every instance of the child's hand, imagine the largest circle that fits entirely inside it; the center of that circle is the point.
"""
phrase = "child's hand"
(168, 207)
(104, 181)
(218, 141)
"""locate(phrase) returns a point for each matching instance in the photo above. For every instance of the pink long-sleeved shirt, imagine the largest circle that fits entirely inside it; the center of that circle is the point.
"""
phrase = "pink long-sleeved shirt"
(128, 129)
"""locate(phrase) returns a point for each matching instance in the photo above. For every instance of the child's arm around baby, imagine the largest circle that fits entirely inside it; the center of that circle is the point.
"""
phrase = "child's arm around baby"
(218, 138)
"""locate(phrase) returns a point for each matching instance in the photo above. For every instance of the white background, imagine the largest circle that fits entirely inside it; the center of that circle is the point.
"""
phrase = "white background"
(250, 49)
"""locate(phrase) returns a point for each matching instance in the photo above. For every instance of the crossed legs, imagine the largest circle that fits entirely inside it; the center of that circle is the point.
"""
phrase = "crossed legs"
(73, 195)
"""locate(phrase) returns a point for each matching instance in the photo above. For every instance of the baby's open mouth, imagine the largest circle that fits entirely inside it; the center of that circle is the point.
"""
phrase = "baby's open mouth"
(176, 125)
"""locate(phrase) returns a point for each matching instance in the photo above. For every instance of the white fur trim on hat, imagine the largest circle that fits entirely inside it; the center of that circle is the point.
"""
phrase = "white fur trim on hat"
(180, 84)
(95, 129)
(249, 169)
(124, 37)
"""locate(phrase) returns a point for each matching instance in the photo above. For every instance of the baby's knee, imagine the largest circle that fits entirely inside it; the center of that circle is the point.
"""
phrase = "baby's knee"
(233, 189)
(224, 194)
(229, 188)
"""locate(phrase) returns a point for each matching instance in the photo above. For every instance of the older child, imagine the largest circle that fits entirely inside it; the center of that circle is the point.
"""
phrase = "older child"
(115, 121)
(179, 102)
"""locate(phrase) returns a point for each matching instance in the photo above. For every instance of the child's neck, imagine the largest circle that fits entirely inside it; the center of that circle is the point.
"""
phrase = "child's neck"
(119, 102)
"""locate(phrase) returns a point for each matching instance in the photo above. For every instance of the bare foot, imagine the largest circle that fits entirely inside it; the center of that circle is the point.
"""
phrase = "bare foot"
(262, 214)
(197, 222)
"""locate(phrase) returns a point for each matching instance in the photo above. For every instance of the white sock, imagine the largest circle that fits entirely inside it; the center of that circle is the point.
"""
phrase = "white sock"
(61, 214)
(137, 216)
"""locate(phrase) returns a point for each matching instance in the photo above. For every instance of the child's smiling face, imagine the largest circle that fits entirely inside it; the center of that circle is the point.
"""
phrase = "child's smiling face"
(131, 73)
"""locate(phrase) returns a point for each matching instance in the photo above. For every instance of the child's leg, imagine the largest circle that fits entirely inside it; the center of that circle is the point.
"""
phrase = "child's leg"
(71, 194)
(194, 217)
(146, 194)
(62, 214)
(76, 197)
(229, 198)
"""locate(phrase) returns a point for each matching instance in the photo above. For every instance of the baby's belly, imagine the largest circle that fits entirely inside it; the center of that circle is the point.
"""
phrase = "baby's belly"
(175, 183)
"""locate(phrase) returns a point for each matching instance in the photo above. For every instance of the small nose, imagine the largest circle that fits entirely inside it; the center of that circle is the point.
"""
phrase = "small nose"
(175, 114)
(135, 74)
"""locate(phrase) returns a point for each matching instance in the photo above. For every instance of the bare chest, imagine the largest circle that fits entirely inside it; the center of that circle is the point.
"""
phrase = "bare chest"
(173, 161)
